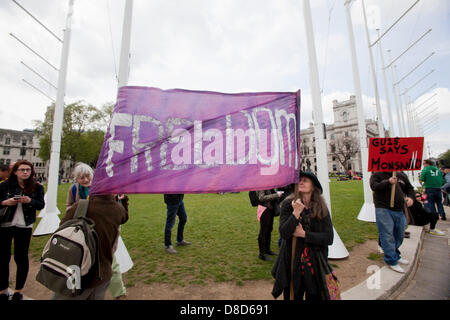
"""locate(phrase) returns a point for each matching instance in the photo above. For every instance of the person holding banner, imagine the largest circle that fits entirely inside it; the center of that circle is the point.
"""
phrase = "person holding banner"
(175, 207)
(390, 220)
(308, 222)
(432, 180)
(83, 174)
(269, 200)
(108, 215)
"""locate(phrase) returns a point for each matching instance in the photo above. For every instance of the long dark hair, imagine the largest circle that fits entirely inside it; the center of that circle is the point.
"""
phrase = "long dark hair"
(30, 183)
(318, 205)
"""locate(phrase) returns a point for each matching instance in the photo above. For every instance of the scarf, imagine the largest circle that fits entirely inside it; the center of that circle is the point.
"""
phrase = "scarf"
(84, 191)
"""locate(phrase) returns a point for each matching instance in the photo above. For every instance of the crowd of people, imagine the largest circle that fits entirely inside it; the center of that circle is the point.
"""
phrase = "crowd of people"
(305, 226)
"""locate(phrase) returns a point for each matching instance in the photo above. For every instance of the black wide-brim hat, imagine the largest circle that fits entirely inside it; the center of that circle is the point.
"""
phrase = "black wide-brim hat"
(313, 178)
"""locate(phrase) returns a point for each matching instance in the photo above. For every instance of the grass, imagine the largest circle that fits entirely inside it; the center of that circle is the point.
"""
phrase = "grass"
(223, 230)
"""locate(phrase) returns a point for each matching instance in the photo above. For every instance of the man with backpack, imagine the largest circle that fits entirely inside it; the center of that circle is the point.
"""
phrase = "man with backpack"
(108, 215)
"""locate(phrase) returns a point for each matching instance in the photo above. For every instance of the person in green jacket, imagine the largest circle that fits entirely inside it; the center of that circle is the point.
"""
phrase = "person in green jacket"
(432, 182)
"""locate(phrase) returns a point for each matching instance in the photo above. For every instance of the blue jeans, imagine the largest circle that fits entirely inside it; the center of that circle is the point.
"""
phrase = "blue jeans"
(391, 227)
(172, 212)
(434, 197)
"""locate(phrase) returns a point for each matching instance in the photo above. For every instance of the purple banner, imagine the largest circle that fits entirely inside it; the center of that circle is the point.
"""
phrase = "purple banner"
(180, 141)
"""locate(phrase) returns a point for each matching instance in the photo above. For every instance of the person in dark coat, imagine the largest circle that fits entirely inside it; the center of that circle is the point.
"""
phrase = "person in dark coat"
(107, 215)
(22, 195)
(268, 199)
(175, 207)
(391, 221)
(308, 222)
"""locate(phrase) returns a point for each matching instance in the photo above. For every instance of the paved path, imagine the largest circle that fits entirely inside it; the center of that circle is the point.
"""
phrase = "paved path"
(432, 278)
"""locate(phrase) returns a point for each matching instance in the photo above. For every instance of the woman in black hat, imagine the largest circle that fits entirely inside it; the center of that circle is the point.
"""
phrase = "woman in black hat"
(308, 220)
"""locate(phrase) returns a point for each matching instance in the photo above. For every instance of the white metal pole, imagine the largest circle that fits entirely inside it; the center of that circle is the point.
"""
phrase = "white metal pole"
(124, 63)
(402, 114)
(50, 221)
(122, 256)
(397, 103)
(388, 100)
(374, 77)
(337, 250)
(367, 212)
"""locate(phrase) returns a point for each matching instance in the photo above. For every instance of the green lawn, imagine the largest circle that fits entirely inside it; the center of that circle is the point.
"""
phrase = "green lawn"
(223, 230)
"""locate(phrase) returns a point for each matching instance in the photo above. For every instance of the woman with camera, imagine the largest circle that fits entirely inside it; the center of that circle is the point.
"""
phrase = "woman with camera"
(20, 197)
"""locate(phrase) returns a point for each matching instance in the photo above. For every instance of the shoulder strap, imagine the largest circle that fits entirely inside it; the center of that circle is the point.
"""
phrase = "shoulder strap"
(82, 207)
(74, 192)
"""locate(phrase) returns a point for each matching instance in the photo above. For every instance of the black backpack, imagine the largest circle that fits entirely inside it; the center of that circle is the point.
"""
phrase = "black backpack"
(70, 257)
(254, 200)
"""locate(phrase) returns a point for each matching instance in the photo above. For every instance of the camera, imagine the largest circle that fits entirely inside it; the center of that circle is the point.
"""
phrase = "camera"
(17, 197)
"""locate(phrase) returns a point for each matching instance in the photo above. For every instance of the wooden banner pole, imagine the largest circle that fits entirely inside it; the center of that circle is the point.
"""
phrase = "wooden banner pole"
(394, 174)
(294, 245)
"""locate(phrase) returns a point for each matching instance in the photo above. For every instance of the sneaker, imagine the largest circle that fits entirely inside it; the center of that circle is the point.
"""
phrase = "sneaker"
(170, 250)
(403, 261)
(17, 296)
(183, 243)
(437, 232)
(264, 257)
(380, 249)
(443, 218)
(397, 268)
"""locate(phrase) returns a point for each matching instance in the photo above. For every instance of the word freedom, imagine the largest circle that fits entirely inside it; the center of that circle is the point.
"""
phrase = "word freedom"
(184, 143)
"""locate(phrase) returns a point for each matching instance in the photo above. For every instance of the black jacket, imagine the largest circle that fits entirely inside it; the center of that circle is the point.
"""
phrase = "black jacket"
(319, 235)
(8, 189)
(379, 183)
(173, 199)
(268, 198)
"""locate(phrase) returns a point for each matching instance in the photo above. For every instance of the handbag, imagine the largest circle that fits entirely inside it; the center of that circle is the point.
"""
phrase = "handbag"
(332, 287)
(3, 214)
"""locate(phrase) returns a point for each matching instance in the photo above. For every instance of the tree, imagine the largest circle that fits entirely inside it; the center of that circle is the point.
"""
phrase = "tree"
(82, 135)
(444, 158)
(344, 149)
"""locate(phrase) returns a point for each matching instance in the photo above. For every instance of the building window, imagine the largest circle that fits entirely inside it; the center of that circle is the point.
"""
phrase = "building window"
(345, 116)
(334, 167)
(5, 150)
(24, 143)
(23, 151)
(332, 136)
(2, 161)
(8, 161)
(346, 133)
(7, 140)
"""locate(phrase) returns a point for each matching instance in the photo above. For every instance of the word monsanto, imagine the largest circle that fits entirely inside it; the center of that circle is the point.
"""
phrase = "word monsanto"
(395, 154)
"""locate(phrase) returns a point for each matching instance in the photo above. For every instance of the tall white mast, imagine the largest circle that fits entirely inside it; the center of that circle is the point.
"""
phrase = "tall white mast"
(337, 250)
(374, 77)
(50, 221)
(367, 212)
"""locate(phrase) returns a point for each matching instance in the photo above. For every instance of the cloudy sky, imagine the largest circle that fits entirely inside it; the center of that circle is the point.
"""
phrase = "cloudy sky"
(227, 46)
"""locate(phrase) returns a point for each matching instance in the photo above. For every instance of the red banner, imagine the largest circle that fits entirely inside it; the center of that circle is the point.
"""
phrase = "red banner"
(395, 154)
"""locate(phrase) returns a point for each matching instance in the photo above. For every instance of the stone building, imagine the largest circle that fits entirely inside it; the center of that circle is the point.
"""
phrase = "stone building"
(21, 145)
(345, 125)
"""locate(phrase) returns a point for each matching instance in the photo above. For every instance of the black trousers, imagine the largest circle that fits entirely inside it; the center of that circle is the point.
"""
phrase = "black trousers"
(22, 237)
(265, 231)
